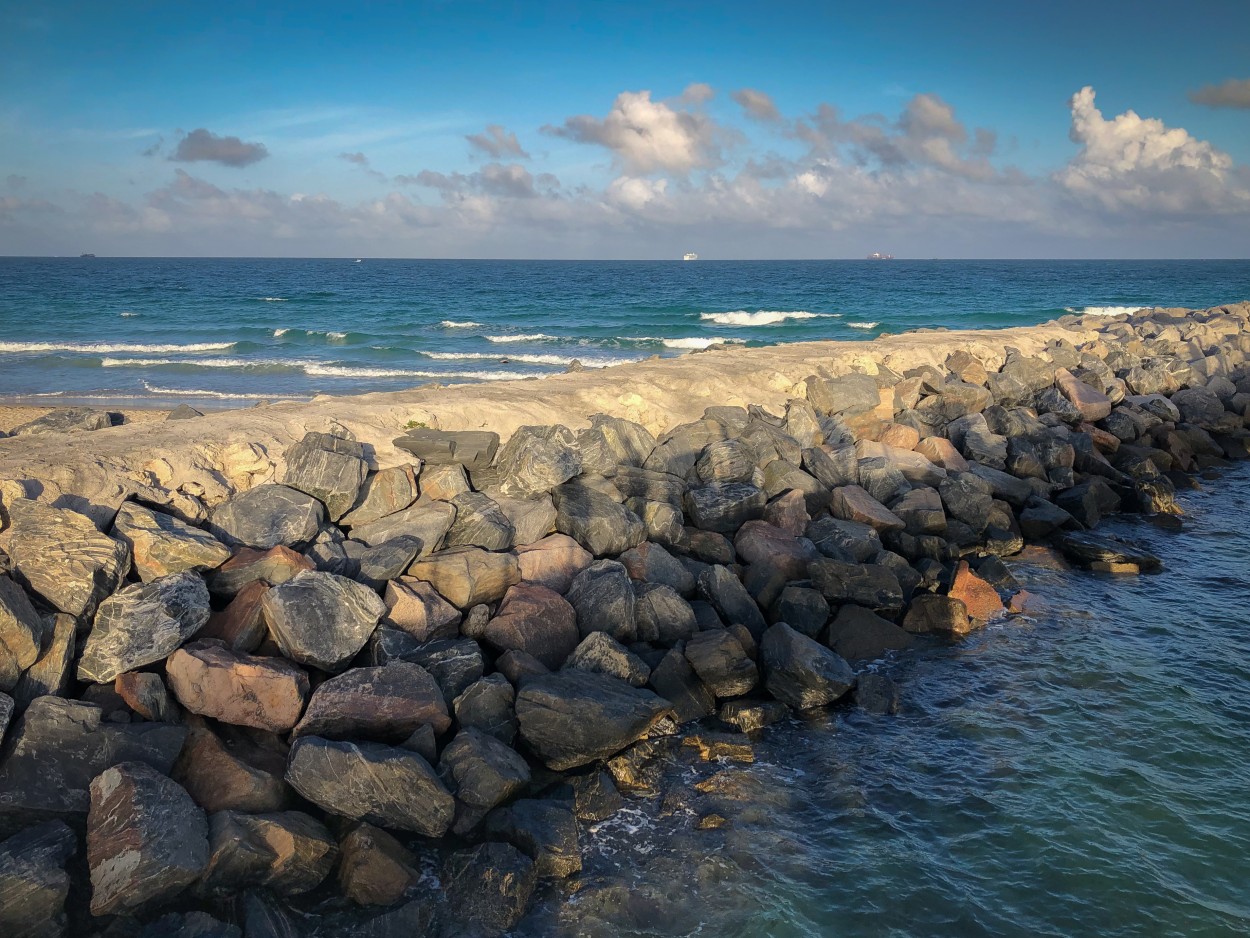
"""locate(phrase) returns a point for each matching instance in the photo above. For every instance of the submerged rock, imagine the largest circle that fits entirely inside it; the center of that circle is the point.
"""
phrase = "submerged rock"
(1085, 548)
(545, 830)
(801, 672)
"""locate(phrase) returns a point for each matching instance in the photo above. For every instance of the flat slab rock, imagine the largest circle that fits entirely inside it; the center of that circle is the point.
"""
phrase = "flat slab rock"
(387, 703)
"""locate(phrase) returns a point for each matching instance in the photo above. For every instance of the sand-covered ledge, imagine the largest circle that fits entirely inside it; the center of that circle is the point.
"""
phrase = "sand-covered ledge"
(213, 456)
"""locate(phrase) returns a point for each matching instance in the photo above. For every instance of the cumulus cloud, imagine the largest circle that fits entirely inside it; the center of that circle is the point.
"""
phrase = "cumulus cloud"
(757, 105)
(509, 181)
(648, 136)
(697, 93)
(201, 145)
(497, 143)
(1233, 93)
(1138, 163)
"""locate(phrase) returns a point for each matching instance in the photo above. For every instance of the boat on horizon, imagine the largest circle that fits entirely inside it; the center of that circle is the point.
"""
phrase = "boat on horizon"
(86, 255)
(690, 256)
(878, 256)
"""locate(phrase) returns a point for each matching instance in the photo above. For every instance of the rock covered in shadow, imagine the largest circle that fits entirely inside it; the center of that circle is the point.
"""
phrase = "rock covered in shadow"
(603, 598)
(858, 634)
(225, 767)
(33, 880)
(286, 852)
(374, 868)
(387, 703)
(1085, 548)
(595, 521)
(801, 672)
(876, 693)
(482, 771)
(724, 506)
(489, 886)
(535, 620)
(598, 652)
(53, 669)
(544, 829)
(427, 521)
(21, 633)
(489, 705)
(676, 681)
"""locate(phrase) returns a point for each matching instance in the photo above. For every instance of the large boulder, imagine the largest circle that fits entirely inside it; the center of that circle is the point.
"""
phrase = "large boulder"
(321, 619)
(942, 615)
(387, 703)
(1089, 402)
(384, 493)
(848, 394)
(390, 787)
(1087, 549)
(374, 867)
(602, 654)
(595, 521)
(53, 669)
(33, 881)
(417, 608)
(21, 633)
(247, 566)
(266, 516)
(161, 545)
(468, 576)
(147, 840)
(286, 852)
(553, 562)
(143, 624)
(537, 459)
(482, 771)
(427, 521)
(873, 586)
(65, 420)
(719, 586)
(724, 506)
(853, 503)
(676, 681)
(61, 555)
(329, 468)
(532, 519)
(651, 563)
(473, 449)
(232, 768)
(545, 829)
(603, 598)
(480, 522)
(489, 886)
(859, 634)
(574, 717)
(661, 615)
(488, 704)
(213, 681)
(721, 663)
(535, 620)
(801, 672)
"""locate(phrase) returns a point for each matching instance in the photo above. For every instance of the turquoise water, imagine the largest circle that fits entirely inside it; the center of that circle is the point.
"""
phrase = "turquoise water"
(226, 332)
(1082, 772)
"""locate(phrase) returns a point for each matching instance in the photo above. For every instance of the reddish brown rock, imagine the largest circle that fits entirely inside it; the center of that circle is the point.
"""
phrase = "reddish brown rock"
(535, 620)
(144, 693)
(1093, 404)
(287, 852)
(374, 867)
(941, 452)
(553, 562)
(387, 704)
(758, 542)
(239, 770)
(467, 576)
(211, 680)
(852, 503)
(241, 625)
(900, 435)
(146, 839)
(416, 607)
(788, 512)
(1024, 603)
(980, 598)
(274, 566)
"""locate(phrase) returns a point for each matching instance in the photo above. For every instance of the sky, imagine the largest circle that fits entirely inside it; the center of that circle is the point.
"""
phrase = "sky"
(626, 130)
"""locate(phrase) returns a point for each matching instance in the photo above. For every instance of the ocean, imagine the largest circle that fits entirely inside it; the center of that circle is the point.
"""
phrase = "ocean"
(230, 332)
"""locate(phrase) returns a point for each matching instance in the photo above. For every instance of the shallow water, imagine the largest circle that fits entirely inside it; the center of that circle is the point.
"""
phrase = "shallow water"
(228, 332)
(1080, 772)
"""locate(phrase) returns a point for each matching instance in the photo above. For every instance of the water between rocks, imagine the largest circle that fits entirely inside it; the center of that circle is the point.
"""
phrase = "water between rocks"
(1082, 772)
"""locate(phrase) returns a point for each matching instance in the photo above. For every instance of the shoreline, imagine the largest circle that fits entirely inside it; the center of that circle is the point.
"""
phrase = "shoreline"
(467, 623)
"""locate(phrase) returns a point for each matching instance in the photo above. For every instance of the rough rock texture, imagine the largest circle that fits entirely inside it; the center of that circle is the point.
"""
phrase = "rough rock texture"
(417, 608)
(387, 703)
(467, 576)
(161, 545)
(383, 493)
(480, 522)
(944, 615)
(482, 771)
(33, 881)
(374, 867)
(545, 829)
(380, 784)
(857, 634)
(595, 521)
(427, 521)
(473, 449)
(600, 653)
(490, 887)
(232, 768)
(553, 562)
(52, 670)
(575, 717)
(287, 852)
(724, 506)
(321, 619)
(721, 663)
(267, 516)
(21, 633)
(247, 566)
(676, 681)
(267, 693)
(801, 672)
(65, 421)
(329, 468)
(535, 620)
(980, 599)
(143, 624)
(604, 600)
(147, 840)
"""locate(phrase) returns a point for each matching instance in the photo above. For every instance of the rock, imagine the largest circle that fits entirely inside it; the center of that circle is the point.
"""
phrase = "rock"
(473, 449)
(321, 619)
(1091, 403)
(489, 705)
(248, 566)
(537, 621)
(876, 693)
(384, 492)
(844, 540)
(574, 717)
(858, 634)
(921, 512)
(537, 459)
(21, 633)
(286, 852)
(143, 624)
(752, 715)
(380, 784)
(721, 747)
(801, 672)
(852, 503)
(944, 615)
(553, 562)
(724, 506)
(455, 665)
(651, 563)
(873, 586)
(1085, 549)
(482, 771)
(266, 516)
(603, 598)
(1010, 489)
(60, 555)
(443, 483)
(788, 512)
(427, 521)
(213, 681)
(979, 597)
(144, 692)
(232, 768)
(731, 600)
(384, 562)
(518, 667)
(1040, 518)
(387, 703)
(329, 468)
(241, 625)
(602, 654)
(52, 670)
(803, 608)
(543, 829)
(721, 663)
(532, 519)
(596, 521)
(147, 841)
(661, 615)
(161, 545)
(467, 576)
(941, 452)
(183, 412)
(480, 522)
(489, 886)
(1199, 406)
(34, 883)
(416, 607)
(374, 867)
(676, 681)
(848, 394)
(725, 461)
(65, 420)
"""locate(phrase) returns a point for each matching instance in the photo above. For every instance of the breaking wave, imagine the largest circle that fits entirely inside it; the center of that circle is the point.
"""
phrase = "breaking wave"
(531, 337)
(863, 325)
(765, 317)
(110, 348)
(698, 342)
(1102, 310)
(452, 324)
(525, 359)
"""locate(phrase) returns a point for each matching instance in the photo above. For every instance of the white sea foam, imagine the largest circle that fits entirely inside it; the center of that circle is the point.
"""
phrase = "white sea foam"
(524, 359)
(127, 315)
(194, 392)
(1103, 310)
(109, 348)
(863, 325)
(764, 317)
(202, 362)
(336, 336)
(278, 333)
(700, 342)
(336, 371)
(530, 337)
(452, 324)
(272, 299)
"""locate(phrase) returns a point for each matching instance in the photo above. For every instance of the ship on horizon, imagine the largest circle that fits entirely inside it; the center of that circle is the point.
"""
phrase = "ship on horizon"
(878, 256)
(690, 256)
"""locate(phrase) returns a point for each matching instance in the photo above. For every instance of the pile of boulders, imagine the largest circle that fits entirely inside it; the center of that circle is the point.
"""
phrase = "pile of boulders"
(221, 727)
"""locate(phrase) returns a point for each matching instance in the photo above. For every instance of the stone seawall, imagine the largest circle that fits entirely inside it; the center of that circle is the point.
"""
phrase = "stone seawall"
(382, 659)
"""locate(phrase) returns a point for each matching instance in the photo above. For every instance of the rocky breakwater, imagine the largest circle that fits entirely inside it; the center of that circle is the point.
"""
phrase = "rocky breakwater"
(360, 700)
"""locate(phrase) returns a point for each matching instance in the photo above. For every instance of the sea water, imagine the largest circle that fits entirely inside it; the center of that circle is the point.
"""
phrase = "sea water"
(228, 332)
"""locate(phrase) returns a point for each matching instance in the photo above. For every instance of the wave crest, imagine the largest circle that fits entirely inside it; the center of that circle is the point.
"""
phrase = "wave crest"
(764, 317)
(106, 348)
(1102, 310)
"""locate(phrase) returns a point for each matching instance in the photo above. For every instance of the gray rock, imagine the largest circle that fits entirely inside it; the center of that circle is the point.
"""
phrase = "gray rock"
(752, 715)
(651, 563)
(489, 705)
(724, 507)
(1199, 406)
(321, 619)
(489, 886)
(573, 718)
(921, 512)
(844, 540)
(390, 787)
(143, 624)
(386, 704)
(189, 925)
(60, 555)
(731, 600)
(595, 521)
(859, 634)
(52, 670)
(21, 633)
(536, 620)
(160, 544)
(383, 493)
(64, 420)
(676, 681)
(849, 394)
(286, 852)
(602, 654)
(329, 468)
(543, 829)
(1040, 518)
(480, 522)
(377, 565)
(1085, 548)
(721, 663)
(649, 485)
(661, 615)
(801, 672)
(595, 796)
(429, 521)
(473, 449)
(267, 516)
(603, 598)
(482, 771)
(33, 880)
(147, 841)
(876, 693)
(967, 498)
(726, 461)
(454, 664)
(873, 586)
(1008, 488)
(803, 608)
(537, 459)
(183, 412)
(833, 468)
(532, 519)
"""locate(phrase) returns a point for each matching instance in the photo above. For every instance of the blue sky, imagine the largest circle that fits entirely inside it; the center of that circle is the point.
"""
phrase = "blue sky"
(795, 129)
